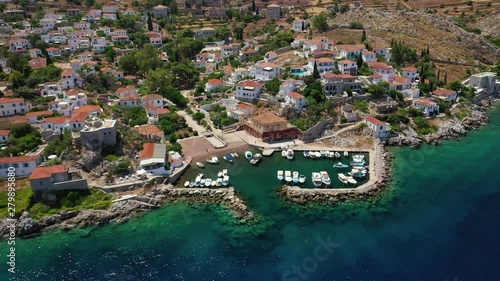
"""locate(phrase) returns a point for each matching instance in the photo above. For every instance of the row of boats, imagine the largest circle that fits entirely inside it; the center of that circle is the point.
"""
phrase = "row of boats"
(290, 176)
(229, 157)
(324, 154)
(254, 159)
(222, 180)
(288, 154)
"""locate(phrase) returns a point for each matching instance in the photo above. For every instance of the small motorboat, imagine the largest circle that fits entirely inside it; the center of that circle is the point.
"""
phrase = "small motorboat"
(340, 165)
(235, 155)
(255, 159)
(283, 153)
(202, 182)
(213, 160)
(186, 184)
(325, 178)
(208, 182)
(289, 154)
(218, 182)
(343, 178)
(288, 176)
(224, 172)
(323, 153)
(200, 165)
(346, 154)
(337, 154)
(316, 179)
(228, 158)
(295, 177)
(351, 180)
(220, 175)
(280, 175)
(302, 179)
(192, 184)
(318, 154)
(248, 155)
(358, 164)
(306, 153)
(213, 184)
(358, 157)
(225, 181)
(312, 155)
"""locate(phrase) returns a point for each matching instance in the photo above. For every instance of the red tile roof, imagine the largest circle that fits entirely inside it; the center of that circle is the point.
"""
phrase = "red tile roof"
(150, 107)
(87, 108)
(410, 69)
(351, 47)
(4, 132)
(444, 92)
(148, 150)
(249, 83)
(79, 116)
(161, 111)
(374, 120)
(130, 97)
(295, 95)
(215, 81)
(151, 97)
(17, 159)
(244, 106)
(39, 113)
(56, 120)
(68, 71)
(10, 100)
(47, 172)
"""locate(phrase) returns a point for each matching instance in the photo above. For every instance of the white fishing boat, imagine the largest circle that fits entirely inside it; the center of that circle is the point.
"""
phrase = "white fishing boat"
(214, 183)
(346, 154)
(280, 175)
(312, 155)
(198, 179)
(220, 175)
(331, 154)
(318, 154)
(248, 155)
(208, 182)
(218, 182)
(323, 153)
(343, 178)
(186, 184)
(337, 154)
(306, 153)
(340, 165)
(225, 181)
(358, 158)
(283, 153)
(325, 178)
(288, 176)
(192, 184)
(358, 163)
(351, 180)
(224, 173)
(200, 165)
(316, 179)
(234, 154)
(255, 159)
(202, 182)
(295, 176)
(213, 160)
(302, 179)
(290, 154)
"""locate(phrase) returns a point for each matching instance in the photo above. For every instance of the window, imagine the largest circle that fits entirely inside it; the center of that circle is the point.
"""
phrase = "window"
(26, 165)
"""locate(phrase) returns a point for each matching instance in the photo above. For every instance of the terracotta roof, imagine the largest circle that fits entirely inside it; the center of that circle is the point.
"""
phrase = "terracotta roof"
(347, 61)
(87, 108)
(215, 81)
(161, 111)
(20, 120)
(268, 118)
(79, 116)
(68, 71)
(333, 75)
(410, 68)
(150, 107)
(268, 64)
(249, 83)
(148, 129)
(47, 172)
(295, 95)
(368, 53)
(425, 102)
(151, 97)
(148, 150)
(17, 159)
(130, 97)
(39, 113)
(4, 132)
(10, 100)
(400, 79)
(244, 106)
(56, 120)
(374, 120)
(324, 60)
(444, 92)
(379, 65)
(351, 47)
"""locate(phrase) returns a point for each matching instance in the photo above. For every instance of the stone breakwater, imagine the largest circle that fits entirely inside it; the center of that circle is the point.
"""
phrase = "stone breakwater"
(451, 129)
(380, 177)
(122, 211)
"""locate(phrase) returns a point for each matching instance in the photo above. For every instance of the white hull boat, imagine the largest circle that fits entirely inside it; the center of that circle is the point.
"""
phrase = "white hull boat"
(248, 155)
(186, 184)
(213, 160)
(283, 153)
(316, 179)
(289, 154)
(318, 154)
(192, 184)
(325, 178)
(343, 178)
(346, 154)
(224, 173)
(218, 182)
(220, 175)
(337, 155)
(225, 181)
(208, 182)
(295, 177)
(288, 176)
(200, 165)
(280, 175)
(256, 158)
(306, 153)
(340, 165)
(302, 179)
(235, 155)
(202, 182)
(351, 180)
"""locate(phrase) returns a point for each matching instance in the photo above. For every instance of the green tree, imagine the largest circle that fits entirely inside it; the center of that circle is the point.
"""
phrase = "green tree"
(150, 22)
(135, 116)
(316, 74)
(320, 22)
(273, 86)
(16, 79)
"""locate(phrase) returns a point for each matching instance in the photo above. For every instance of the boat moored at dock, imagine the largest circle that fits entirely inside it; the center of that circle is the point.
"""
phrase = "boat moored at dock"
(228, 158)
(340, 165)
(248, 155)
(289, 154)
(255, 159)
(280, 175)
(316, 179)
(325, 178)
(200, 165)
(302, 179)
(295, 176)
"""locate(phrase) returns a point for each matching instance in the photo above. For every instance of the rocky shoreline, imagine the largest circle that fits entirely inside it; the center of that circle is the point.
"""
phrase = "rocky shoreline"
(368, 191)
(452, 129)
(123, 211)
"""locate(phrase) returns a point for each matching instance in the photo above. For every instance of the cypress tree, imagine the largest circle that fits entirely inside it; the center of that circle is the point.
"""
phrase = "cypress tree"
(445, 78)
(253, 6)
(316, 71)
(359, 61)
(150, 22)
(363, 37)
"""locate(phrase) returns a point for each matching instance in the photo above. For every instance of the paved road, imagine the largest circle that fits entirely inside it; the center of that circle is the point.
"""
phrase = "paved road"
(192, 123)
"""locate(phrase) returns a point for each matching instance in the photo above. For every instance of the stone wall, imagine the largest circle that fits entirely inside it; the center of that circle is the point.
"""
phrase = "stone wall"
(316, 131)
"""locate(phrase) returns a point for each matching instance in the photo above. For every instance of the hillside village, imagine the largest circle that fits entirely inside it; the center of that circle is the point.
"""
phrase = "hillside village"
(111, 96)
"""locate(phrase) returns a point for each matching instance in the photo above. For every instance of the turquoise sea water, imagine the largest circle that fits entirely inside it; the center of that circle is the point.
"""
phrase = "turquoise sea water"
(439, 220)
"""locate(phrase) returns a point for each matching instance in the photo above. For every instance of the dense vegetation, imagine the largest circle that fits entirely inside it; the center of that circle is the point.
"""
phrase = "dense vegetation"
(23, 138)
